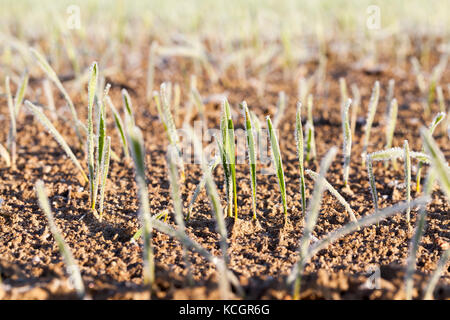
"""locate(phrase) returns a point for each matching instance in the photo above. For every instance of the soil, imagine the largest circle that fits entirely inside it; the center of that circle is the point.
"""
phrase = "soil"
(261, 256)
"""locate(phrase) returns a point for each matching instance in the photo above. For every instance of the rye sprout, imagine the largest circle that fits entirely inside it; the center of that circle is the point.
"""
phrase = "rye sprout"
(373, 187)
(20, 94)
(251, 147)
(71, 265)
(390, 126)
(347, 146)
(56, 135)
(355, 107)
(436, 120)
(343, 90)
(370, 117)
(310, 137)
(390, 94)
(281, 108)
(162, 101)
(119, 125)
(104, 168)
(151, 69)
(311, 220)
(278, 164)
(228, 154)
(51, 74)
(136, 142)
(300, 152)
(407, 165)
(440, 97)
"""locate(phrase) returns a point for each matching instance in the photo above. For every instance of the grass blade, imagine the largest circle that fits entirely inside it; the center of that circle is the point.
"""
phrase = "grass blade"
(119, 126)
(407, 164)
(373, 103)
(278, 164)
(136, 143)
(20, 94)
(92, 88)
(373, 187)
(300, 153)
(104, 168)
(64, 249)
(310, 141)
(355, 107)
(56, 135)
(251, 147)
(347, 146)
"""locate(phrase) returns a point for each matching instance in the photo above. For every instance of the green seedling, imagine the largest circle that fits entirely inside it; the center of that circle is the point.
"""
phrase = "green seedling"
(162, 101)
(278, 164)
(390, 127)
(20, 94)
(436, 120)
(390, 95)
(228, 155)
(300, 152)
(310, 140)
(373, 103)
(119, 126)
(92, 87)
(151, 69)
(281, 108)
(251, 147)
(373, 187)
(347, 145)
(343, 91)
(104, 168)
(355, 106)
(71, 265)
(407, 165)
(136, 143)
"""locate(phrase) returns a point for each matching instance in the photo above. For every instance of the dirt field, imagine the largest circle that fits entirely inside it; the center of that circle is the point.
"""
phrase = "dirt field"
(261, 255)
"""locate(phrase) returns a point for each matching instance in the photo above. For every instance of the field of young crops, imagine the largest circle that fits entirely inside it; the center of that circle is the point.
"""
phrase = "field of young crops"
(224, 149)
